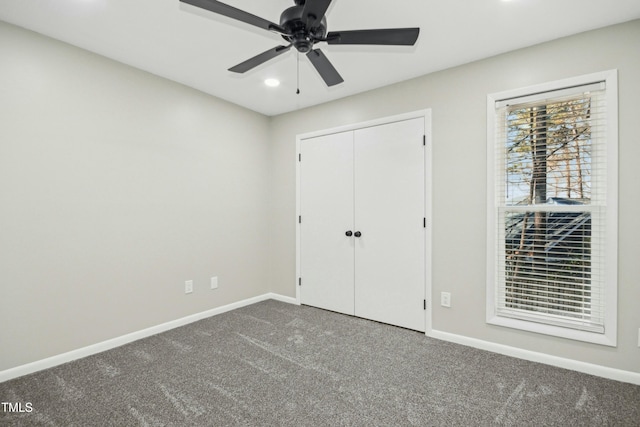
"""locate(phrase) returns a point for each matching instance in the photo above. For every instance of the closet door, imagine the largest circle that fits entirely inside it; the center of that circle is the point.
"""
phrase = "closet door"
(326, 207)
(389, 210)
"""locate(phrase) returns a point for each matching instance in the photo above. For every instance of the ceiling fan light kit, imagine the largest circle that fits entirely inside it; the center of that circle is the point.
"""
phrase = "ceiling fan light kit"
(303, 26)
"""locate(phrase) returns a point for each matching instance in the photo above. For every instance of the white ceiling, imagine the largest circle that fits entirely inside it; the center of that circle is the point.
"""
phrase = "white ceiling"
(194, 47)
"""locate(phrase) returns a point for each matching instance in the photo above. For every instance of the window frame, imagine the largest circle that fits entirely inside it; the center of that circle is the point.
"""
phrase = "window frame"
(609, 337)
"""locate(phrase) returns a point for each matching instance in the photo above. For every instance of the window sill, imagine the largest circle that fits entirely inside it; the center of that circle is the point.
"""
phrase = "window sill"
(557, 331)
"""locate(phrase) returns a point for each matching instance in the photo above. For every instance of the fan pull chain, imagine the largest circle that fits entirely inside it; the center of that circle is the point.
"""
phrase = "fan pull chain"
(298, 72)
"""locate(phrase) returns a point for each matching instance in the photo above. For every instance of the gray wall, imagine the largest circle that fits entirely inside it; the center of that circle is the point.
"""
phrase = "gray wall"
(116, 186)
(457, 98)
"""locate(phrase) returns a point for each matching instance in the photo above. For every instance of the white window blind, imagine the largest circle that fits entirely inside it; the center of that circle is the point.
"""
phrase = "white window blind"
(550, 208)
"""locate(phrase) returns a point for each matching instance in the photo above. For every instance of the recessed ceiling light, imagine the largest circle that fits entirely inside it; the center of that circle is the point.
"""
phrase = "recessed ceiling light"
(272, 82)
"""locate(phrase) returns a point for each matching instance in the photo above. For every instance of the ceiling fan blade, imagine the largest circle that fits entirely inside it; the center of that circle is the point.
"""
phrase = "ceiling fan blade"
(389, 36)
(259, 59)
(314, 11)
(237, 14)
(324, 67)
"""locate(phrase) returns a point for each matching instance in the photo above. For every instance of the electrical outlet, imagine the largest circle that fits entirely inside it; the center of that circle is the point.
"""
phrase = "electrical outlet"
(445, 299)
(214, 282)
(188, 286)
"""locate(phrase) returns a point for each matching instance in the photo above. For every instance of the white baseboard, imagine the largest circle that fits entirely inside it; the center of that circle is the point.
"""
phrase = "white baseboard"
(547, 359)
(59, 359)
(282, 298)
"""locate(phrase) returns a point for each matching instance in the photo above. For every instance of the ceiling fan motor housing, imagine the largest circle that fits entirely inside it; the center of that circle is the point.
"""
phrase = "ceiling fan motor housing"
(296, 28)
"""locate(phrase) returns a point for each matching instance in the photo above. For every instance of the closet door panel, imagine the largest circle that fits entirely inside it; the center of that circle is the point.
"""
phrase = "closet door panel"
(389, 185)
(326, 203)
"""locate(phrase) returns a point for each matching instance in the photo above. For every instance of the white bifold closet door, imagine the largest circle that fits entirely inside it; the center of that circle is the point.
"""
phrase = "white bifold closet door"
(369, 183)
(389, 211)
(326, 200)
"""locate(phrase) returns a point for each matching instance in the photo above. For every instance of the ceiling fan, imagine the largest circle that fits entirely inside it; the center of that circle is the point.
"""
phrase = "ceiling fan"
(304, 25)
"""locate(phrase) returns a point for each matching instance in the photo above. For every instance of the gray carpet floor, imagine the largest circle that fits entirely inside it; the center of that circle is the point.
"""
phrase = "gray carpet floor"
(276, 364)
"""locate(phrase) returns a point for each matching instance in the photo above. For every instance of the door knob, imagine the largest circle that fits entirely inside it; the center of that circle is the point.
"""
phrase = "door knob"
(349, 233)
(357, 234)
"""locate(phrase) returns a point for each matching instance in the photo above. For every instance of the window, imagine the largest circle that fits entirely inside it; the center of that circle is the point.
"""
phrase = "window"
(552, 208)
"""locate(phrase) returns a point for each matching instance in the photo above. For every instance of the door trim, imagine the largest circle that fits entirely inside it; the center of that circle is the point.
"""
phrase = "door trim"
(426, 115)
